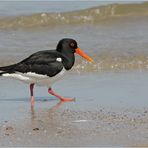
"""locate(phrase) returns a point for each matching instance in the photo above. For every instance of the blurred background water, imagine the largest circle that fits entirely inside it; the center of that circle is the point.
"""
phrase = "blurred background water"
(114, 33)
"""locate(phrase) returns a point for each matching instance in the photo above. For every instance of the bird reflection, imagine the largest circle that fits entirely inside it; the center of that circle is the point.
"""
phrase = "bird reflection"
(60, 103)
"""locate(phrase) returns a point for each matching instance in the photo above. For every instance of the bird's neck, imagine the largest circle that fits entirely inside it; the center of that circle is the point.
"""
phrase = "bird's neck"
(68, 61)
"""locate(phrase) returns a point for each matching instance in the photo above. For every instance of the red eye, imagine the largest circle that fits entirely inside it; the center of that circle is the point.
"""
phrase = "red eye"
(72, 44)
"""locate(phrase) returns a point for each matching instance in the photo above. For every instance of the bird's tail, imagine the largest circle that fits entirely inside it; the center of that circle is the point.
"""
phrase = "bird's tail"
(7, 69)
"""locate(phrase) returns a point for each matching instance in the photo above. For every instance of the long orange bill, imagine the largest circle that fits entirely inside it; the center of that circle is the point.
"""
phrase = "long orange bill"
(84, 55)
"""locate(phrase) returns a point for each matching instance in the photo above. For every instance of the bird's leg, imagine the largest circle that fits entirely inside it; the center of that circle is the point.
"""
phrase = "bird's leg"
(31, 94)
(60, 97)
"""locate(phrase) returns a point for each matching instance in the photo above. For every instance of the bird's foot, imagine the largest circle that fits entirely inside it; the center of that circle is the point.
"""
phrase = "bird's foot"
(63, 99)
(67, 99)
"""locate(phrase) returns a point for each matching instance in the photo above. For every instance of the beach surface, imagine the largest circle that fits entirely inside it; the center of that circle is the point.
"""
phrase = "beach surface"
(110, 110)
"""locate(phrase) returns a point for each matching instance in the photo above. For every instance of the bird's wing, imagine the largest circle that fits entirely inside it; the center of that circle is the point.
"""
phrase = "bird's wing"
(42, 62)
(41, 57)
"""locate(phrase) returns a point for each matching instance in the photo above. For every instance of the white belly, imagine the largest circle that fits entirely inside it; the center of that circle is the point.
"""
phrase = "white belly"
(41, 80)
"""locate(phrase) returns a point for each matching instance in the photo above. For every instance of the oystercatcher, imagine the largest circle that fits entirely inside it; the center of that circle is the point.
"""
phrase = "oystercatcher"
(46, 67)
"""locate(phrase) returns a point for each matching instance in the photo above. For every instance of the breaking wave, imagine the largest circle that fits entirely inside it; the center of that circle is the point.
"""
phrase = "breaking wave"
(92, 15)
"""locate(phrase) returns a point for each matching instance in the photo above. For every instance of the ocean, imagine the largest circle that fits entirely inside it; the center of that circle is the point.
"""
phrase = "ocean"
(114, 34)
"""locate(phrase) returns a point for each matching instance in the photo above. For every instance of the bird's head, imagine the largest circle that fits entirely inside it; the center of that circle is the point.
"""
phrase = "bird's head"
(69, 46)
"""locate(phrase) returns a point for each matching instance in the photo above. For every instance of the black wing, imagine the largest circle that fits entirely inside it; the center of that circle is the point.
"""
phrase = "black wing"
(42, 62)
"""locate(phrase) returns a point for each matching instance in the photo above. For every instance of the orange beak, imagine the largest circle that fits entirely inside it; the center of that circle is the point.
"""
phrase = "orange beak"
(84, 55)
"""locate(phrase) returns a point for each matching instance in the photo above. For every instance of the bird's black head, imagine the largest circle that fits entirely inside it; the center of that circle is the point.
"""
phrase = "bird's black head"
(66, 46)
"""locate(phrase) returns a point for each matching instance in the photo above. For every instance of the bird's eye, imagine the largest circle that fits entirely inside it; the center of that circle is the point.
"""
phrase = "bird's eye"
(72, 44)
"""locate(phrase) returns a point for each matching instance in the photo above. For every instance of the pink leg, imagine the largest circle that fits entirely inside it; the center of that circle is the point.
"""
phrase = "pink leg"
(31, 94)
(60, 97)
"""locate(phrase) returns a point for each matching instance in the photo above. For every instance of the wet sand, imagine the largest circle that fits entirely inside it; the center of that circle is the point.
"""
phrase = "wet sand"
(110, 110)
(76, 128)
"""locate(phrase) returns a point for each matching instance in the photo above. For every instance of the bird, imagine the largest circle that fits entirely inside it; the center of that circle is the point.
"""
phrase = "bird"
(45, 67)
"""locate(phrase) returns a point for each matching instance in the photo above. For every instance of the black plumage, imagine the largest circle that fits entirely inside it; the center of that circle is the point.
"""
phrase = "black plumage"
(45, 62)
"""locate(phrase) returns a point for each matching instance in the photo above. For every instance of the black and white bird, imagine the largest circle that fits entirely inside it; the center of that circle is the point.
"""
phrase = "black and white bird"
(46, 67)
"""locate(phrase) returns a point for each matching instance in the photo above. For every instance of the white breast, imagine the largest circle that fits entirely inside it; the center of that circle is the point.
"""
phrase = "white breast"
(31, 77)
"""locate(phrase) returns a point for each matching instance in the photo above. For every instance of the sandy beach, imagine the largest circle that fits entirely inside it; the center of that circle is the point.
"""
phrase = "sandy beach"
(112, 116)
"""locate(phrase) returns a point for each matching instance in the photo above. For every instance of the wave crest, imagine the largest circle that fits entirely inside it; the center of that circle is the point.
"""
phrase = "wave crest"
(91, 15)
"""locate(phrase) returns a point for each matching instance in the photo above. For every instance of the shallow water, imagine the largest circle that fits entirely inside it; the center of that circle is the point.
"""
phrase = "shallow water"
(92, 92)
